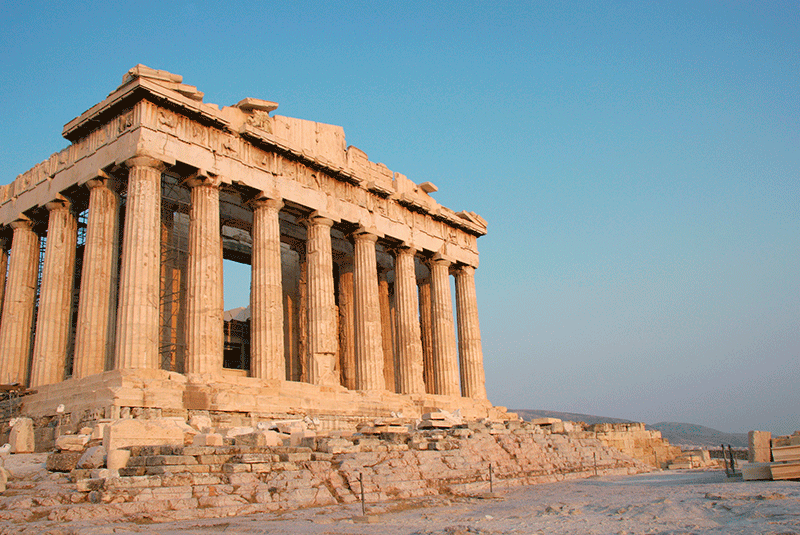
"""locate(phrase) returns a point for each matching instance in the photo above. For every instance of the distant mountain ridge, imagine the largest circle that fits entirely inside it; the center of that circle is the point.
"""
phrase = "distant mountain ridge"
(678, 433)
(590, 419)
(683, 434)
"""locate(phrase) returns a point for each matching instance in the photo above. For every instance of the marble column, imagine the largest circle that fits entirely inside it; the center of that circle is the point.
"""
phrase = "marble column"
(386, 331)
(347, 348)
(409, 339)
(369, 345)
(17, 321)
(205, 335)
(4, 243)
(54, 319)
(473, 381)
(267, 360)
(137, 332)
(445, 359)
(94, 334)
(426, 331)
(322, 321)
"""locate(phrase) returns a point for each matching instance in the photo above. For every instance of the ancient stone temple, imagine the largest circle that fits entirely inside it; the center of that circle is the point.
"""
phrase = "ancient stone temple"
(112, 253)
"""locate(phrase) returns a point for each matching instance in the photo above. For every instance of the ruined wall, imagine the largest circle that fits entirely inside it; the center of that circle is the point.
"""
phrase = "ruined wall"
(163, 483)
(634, 440)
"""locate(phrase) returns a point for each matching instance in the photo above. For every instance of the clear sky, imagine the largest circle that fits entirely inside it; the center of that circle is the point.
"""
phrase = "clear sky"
(638, 163)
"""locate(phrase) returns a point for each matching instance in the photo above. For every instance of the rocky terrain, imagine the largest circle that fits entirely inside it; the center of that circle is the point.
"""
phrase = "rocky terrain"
(678, 433)
(665, 502)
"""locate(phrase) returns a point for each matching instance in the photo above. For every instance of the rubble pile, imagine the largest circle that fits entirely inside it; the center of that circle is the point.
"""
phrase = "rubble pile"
(286, 465)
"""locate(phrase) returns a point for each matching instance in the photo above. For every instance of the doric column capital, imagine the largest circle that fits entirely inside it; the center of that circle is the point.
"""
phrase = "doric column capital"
(405, 248)
(145, 161)
(99, 182)
(202, 178)
(440, 261)
(466, 269)
(264, 201)
(317, 219)
(59, 203)
(102, 180)
(22, 222)
(364, 235)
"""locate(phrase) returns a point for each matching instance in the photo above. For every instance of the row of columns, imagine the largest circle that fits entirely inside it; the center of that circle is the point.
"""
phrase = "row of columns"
(134, 336)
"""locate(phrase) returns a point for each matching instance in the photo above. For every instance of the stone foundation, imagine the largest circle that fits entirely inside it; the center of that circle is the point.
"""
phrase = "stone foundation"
(229, 400)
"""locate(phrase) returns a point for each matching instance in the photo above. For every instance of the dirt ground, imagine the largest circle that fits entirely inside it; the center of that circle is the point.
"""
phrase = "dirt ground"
(663, 502)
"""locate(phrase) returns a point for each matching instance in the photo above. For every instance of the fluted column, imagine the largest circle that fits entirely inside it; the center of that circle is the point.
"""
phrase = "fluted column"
(409, 338)
(445, 357)
(139, 289)
(389, 371)
(322, 330)
(54, 320)
(4, 243)
(369, 345)
(470, 352)
(17, 322)
(267, 359)
(347, 348)
(94, 335)
(205, 335)
(426, 331)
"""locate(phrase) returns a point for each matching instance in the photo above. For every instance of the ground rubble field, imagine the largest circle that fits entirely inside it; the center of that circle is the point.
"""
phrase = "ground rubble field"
(658, 502)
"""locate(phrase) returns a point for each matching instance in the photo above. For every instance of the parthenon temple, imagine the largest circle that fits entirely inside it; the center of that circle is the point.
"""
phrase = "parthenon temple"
(112, 253)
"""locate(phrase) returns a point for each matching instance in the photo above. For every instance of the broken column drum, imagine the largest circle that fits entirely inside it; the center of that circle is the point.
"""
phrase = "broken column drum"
(350, 310)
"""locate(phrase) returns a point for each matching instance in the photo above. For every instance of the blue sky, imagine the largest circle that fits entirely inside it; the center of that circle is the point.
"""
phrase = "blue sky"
(638, 163)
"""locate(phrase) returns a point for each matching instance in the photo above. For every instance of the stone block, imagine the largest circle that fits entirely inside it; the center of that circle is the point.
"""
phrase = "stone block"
(124, 433)
(94, 457)
(758, 446)
(234, 432)
(116, 459)
(99, 429)
(22, 437)
(71, 442)
(201, 422)
(786, 453)
(208, 439)
(756, 472)
(261, 439)
(64, 461)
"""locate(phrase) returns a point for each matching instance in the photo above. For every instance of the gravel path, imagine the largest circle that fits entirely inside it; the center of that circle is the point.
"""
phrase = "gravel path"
(664, 502)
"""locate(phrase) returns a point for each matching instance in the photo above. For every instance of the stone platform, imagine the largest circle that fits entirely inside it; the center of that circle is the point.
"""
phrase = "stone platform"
(231, 397)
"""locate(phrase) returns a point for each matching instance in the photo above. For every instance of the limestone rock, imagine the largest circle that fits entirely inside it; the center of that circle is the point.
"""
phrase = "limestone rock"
(94, 457)
(201, 422)
(65, 461)
(259, 438)
(21, 437)
(208, 439)
(116, 459)
(236, 431)
(71, 442)
(156, 432)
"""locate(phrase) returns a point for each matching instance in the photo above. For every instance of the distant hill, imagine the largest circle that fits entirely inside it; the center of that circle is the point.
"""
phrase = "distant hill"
(590, 419)
(682, 434)
(678, 434)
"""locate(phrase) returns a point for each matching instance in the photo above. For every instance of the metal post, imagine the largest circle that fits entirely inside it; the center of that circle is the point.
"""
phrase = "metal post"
(595, 463)
(725, 460)
(361, 482)
(733, 465)
(491, 481)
